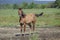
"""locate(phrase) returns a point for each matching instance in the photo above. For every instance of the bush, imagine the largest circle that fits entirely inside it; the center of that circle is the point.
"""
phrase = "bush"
(15, 6)
(43, 6)
(57, 14)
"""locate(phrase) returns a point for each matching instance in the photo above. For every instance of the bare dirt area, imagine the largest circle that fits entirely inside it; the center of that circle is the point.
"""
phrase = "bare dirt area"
(52, 33)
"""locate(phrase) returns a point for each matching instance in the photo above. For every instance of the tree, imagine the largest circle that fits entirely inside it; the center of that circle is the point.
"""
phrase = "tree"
(24, 5)
(43, 6)
(15, 6)
(57, 3)
(32, 5)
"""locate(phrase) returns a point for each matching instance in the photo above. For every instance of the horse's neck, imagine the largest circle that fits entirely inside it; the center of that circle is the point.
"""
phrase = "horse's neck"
(23, 15)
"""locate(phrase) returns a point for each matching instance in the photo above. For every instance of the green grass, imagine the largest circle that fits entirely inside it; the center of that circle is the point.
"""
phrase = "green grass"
(34, 37)
(9, 17)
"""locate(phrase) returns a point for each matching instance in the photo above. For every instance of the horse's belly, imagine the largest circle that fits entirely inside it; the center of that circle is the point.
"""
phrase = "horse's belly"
(30, 19)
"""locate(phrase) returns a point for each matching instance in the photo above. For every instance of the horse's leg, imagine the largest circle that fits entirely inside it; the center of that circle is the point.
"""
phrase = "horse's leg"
(24, 27)
(33, 26)
(19, 19)
(29, 24)
(21, 27)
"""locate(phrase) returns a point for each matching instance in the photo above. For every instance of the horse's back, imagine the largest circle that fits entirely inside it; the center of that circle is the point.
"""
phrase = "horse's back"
(30, 18)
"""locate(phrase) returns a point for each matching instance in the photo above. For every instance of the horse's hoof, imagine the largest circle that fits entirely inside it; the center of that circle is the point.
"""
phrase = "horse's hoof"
(17, 35)
(22, 34)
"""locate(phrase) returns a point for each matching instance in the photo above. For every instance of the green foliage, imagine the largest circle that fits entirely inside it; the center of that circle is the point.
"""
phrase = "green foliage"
(57, 4)
(38, 6)
(31, 5)
(24, 5)
(15, 6)
(58, 13)
(6, 6)
(43, 6)
(9, 17)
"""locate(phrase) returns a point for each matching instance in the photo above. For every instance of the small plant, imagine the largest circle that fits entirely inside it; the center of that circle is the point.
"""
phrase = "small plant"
(43, 6)
(57, 13)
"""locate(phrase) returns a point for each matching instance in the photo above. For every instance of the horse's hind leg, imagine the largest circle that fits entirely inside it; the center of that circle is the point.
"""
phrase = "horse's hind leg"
(29, 24)
(33, 26)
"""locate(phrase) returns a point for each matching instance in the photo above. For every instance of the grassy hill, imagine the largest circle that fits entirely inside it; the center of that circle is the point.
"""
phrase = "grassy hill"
(51, 17)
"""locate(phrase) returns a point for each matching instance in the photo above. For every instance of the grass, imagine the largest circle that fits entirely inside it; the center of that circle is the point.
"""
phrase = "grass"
(34, 37)
(9, 17)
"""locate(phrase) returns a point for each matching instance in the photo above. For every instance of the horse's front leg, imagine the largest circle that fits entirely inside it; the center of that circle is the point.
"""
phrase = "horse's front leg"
(24, 27)
(21, 27)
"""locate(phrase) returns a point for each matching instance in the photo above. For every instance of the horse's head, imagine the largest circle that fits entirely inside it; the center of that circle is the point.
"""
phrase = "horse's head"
(21, 14)
(20, 11)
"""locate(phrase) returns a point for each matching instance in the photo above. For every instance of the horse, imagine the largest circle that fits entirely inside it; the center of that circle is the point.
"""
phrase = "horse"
(28, 19)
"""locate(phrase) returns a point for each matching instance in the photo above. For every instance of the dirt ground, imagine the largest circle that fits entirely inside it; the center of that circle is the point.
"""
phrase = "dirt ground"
(52, 33)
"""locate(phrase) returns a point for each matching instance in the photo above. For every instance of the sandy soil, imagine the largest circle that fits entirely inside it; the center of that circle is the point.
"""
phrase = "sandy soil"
(52, 33)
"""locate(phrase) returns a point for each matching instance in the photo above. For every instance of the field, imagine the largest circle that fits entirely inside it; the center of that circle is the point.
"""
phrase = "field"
(52, 33)
(51, 17)
(47, 26)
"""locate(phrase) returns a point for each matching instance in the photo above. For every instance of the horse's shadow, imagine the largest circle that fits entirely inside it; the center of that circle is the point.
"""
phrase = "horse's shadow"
(24, 34)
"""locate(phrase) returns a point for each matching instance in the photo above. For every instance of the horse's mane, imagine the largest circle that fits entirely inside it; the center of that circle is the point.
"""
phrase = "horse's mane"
(22, 14)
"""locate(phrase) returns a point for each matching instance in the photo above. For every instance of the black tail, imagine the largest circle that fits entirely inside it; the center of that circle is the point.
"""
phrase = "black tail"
(37, 15)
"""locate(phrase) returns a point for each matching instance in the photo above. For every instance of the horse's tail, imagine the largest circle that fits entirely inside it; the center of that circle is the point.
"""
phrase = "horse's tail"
(37, 15)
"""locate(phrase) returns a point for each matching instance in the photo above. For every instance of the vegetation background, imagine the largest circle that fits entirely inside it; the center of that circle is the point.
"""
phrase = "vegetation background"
(9, 15)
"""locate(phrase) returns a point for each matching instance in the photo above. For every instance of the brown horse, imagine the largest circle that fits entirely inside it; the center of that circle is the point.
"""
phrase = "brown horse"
(28, 19)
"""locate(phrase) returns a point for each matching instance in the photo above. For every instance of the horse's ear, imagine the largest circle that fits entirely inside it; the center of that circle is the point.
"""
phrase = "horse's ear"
(20, 8)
